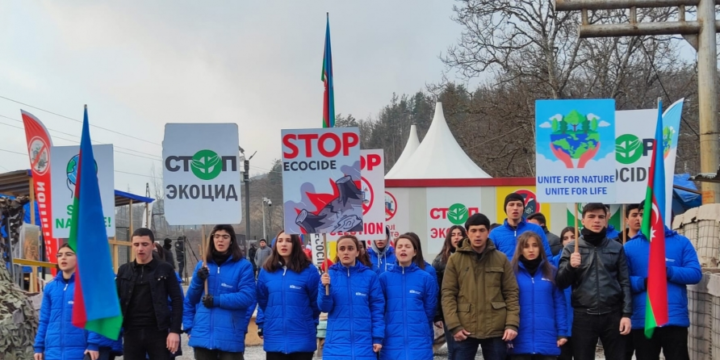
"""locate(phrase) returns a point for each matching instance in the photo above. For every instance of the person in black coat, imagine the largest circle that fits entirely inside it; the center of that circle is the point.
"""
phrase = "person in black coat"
(168, 254)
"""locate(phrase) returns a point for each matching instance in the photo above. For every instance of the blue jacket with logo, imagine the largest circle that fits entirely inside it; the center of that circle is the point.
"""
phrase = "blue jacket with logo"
(411, 296)
(543, 315)
(57, 338)
(290, 312)
(505, 237)
(355, 308)
(683, 268)
(222, 327)
(382, 262)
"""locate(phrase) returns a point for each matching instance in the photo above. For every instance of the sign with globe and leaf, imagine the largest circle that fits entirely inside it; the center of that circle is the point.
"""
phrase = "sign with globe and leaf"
(575, 150)
(63, 177)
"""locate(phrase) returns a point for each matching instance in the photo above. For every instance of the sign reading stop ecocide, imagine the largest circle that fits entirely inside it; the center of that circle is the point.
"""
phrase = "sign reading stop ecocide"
(321, 180)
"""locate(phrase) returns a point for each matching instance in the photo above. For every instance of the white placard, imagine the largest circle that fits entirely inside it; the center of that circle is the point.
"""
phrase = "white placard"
(447, 207)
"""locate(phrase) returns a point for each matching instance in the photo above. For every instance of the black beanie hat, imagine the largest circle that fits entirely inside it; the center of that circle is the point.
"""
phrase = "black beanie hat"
(513, 197)
(167, 241)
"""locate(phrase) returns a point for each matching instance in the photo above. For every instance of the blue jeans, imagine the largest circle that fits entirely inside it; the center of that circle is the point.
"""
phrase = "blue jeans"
(492, 349)
(450, 341)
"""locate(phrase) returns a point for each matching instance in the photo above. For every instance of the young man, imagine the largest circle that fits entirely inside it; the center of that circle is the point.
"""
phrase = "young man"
(601, 296)
(262, 253)
(382, 255)
(682, 269)
(151, 326)
(480, 297)
(554, 240)
(505, 236)
(633, 219)
(611, 232)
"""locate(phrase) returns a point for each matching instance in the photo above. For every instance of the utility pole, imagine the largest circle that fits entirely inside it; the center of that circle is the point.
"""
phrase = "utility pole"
(246, 179)
(699, 33)
(269, 203)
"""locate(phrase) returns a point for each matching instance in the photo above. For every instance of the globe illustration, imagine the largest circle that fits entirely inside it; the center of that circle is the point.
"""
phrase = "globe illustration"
(72, 167)
(575, 134)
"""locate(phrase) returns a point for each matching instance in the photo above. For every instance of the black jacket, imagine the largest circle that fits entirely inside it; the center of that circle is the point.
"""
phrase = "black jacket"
(169, 258)
(554, 241)
(440, 272)
(163, 285)
(601, 284)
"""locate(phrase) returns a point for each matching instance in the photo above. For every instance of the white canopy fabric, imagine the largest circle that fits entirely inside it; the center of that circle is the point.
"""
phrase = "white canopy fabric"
(410, 147)
(439, 156)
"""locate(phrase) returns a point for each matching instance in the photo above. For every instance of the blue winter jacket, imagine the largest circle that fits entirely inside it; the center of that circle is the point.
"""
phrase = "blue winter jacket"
(410, 299)
(683, 268)
(98, 341)
(382, 262)
(505, 237)
(57, 338)
(290, 312)
(569, 311)
(232, 285)
(543, 315)
(612, 234)
(355, 308)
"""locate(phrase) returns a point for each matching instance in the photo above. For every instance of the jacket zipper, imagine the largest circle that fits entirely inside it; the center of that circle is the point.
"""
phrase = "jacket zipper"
(404, 296)
(532, 278)
(597, 278)
(62, 318)
(283, 309)
(352, 338)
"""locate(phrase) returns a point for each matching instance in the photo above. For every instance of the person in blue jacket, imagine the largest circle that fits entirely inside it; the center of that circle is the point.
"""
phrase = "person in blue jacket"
(543, 316)
(355, 306)
(382, 254)
(410, 301)
(57, 338)
(682, 269)
(504, 236)
(287, 293)
(216, 331)
(567, 236)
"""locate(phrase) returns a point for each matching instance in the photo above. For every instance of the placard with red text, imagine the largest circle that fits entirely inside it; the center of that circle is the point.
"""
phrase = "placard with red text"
(322, 183)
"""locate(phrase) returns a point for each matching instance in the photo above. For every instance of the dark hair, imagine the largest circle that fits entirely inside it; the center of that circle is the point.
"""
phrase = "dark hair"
(632, 207)
(447, 248)
(364, 257)
(522, 240)
(263, 240)
(477, 219)
(143, 232)
(567, 229)
(415, 241)
(298, 259)
(494, 225)
(592, 207)
(160, 251)
(337, 244)
(233, 249)
(539, 217)
(66, 245)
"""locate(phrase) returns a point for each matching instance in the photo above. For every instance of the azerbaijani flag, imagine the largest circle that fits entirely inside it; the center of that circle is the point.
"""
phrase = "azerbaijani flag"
(653, 227)
(327, 79)
(96, 305)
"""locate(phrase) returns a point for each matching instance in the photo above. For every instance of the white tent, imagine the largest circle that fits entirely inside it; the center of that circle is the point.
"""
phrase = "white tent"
(438, 157)
(410, 147)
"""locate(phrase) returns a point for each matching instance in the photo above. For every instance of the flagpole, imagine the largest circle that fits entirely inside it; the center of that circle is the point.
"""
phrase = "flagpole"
(577, 235)
(203, 254)
(325, 251)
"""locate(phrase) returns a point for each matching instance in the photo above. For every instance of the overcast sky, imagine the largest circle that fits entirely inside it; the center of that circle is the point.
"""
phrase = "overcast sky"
(257, 63)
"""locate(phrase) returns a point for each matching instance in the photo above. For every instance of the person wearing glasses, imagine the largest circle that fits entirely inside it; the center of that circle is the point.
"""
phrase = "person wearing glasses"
(217, 328)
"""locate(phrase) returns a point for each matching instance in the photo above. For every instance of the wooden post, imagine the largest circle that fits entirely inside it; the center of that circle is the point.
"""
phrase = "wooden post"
(132, 254)
(577, 234)
(203, 254)
(622, 225)
(32, 204)
(325, 250)
(116, 257)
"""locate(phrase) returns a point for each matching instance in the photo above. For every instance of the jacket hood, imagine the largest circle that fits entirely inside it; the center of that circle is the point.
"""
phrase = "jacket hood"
(387, 251)
(359, 267)
(465, 247)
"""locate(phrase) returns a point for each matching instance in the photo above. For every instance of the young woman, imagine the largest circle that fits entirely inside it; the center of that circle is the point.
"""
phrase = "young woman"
(455, 234)
(217, 330)
(411, 297)
(287, 293)
(57, 338)
(364, 257)
(567, 236)
(543, 322)
(355, 306)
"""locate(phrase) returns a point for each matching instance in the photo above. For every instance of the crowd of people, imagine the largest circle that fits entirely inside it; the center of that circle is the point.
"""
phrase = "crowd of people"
(513, 290)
